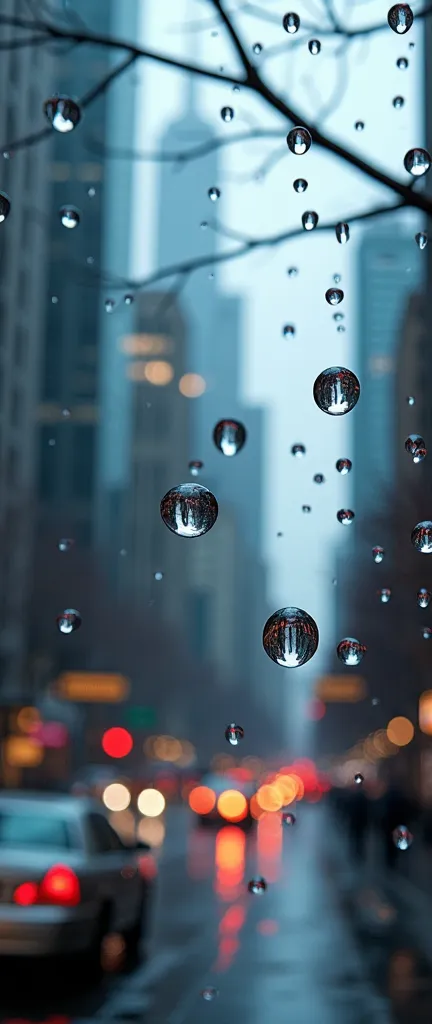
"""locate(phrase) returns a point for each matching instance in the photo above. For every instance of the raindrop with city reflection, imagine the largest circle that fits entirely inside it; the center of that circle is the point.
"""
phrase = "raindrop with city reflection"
(189, 510)
(229, 436)
(336, 391)
(290, 637)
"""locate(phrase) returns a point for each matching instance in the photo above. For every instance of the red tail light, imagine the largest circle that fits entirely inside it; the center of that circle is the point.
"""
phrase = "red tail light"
(59, 887)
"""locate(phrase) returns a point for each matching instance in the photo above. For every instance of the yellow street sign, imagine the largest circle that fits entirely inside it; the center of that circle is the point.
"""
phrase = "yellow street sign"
(93, 687)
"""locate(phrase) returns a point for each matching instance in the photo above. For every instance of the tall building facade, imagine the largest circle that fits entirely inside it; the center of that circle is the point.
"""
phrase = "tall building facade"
(23, 249)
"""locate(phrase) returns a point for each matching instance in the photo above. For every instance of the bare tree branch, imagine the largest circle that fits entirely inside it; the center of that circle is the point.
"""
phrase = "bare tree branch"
(109, 78)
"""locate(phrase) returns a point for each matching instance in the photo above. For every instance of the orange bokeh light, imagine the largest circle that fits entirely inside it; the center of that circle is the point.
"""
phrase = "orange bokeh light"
(232, 805)
(202, 799)
(287, 786)
(400, 731)
(270, 797)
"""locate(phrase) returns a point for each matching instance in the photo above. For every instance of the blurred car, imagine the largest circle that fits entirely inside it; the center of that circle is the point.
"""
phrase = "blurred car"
(67, 880)
(222, 798)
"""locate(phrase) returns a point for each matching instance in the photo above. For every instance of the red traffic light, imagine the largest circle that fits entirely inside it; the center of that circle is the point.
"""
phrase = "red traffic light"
(117, 742)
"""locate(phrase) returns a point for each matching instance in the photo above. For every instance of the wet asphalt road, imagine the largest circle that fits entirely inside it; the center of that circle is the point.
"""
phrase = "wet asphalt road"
(302, 952)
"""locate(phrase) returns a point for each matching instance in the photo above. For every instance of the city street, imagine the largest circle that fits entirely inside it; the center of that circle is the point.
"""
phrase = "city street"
(298, 947)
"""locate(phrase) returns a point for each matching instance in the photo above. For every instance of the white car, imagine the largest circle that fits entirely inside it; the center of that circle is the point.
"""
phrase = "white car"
(66, 878)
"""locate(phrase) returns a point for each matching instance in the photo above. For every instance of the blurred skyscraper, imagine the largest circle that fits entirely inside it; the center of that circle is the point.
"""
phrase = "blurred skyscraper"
(23, 176)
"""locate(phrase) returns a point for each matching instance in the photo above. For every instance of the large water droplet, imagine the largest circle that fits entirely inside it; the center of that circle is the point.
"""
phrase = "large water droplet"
(378, 554)
(195, 466)
(344, 466)
(69, 216)
(257, 48)
(288, 818)
(358, 778)
(421, 537)
(291, 23)
(350, 651)
(345, 516)
(290, 637)
(229, 436)
(402, 837)
(423, 597)
(234, 733)
(400, 18)
(189, 510)
(421, 239)
(288, 329)
(417, 162)
(398, 102)
(300, 185)
(336, 390)
(314, 46)
(299, 140)
(4, 206)
(298, 450)
(209, 993)
(227, 114)
(342, 232)
(310, 220)
(257, 886)
(214, 193)
(68, 621)
(402, 63)
(334, 296)
(319, 478)
(62, 112)
(384, 595)
(65, 544)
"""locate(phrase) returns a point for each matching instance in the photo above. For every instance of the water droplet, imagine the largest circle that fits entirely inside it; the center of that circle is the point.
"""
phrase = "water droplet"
(398, 102)
(54, 299)
(338, 316)
(359, 126)
(189, 510)
(4, 206)
(421, 537)
(69, 216)
(334, 296)
(123, 552)
(279, 534)
(384, 595)
(402, 837)
(227, 114)
(214, 193)
(400, 18)
(426, 632)
(417, 162)
(378, 554)
(292, 271)
(234, 733)
(310, 220)
(375, 701)
(423, 597)
(51, 442)
(128, 300)
(336, 390)
(66, 413)
(319, 478)
(344, 466)
(421, 239)
(341, 329)
(209, 993)
(298, 450)
(291, 23)
(358, 779)
(337, 278)
(90, 260)
(257, 48)
(410, 399)
(91, 191)
(109, 305)
(420, 455)
(236, 88)
(257, 886)
(306, 508)
(229, 436)
(158, 576)
(68, 621)
(350, 651)
(345, 516)
(413, 443)
(288, 818)
(62, 113)
(204, 225)
(314, 46)
(288, 329)
(411, 45)
(402, 63)
(195, 466)
(342, 232)
(290, 637)
(300, 185)
(299, 140)
(65, 544)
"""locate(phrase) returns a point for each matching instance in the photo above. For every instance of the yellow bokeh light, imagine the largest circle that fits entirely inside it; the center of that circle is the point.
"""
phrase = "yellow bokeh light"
(192, 385)
(159, 372)
(400, 731)
(116, 797)
(151, 803)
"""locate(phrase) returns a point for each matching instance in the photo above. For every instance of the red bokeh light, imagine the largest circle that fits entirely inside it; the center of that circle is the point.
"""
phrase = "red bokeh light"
(117, 742)
(26, 894)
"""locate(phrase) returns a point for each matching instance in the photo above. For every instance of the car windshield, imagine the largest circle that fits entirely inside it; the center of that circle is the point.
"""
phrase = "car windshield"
(34, 830)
